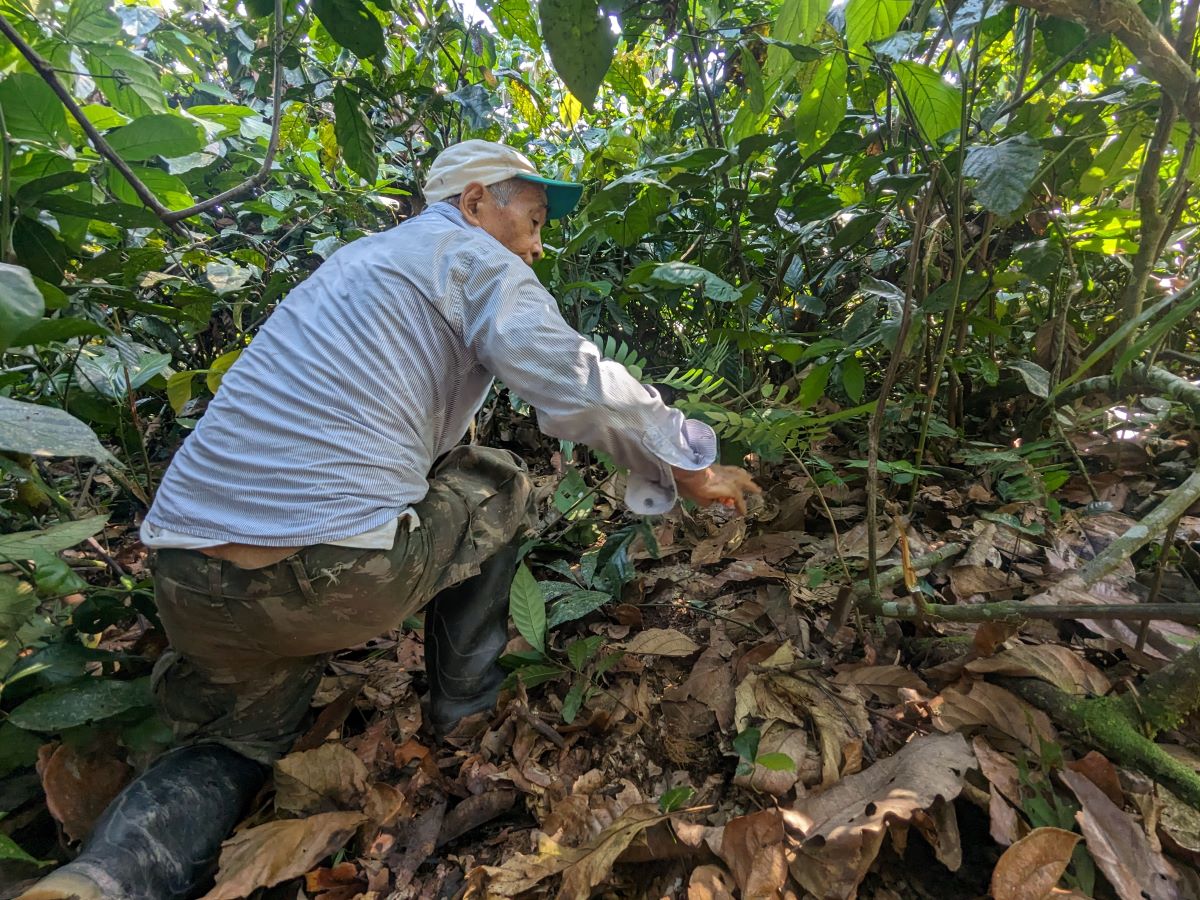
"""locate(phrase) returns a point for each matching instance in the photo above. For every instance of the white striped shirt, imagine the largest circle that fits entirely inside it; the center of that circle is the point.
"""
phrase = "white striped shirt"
(327, 425)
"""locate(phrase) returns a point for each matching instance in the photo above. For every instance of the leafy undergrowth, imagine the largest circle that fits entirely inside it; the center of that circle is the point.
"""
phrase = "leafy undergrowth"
(725, 726)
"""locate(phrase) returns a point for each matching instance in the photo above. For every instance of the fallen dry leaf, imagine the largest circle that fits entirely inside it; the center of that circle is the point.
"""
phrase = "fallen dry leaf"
(1102, 773)
(1052, 663)
(842, 829)
(79, 785)
(661, 642)
(709, 883)
(326, 779)
(1001, 711)
(1031, 868)
(268, 854)
(754, 847)
(1179, 826)
(967, 581)
(1121, 849)
(884, 682)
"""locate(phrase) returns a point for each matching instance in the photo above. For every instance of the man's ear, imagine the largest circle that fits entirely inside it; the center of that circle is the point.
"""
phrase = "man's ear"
(474, 195)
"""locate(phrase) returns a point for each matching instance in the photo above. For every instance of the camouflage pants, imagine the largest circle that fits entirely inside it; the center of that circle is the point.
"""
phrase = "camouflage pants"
(248, 647)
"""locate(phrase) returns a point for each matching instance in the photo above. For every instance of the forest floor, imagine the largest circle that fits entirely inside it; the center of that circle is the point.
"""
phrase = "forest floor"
(747, 734)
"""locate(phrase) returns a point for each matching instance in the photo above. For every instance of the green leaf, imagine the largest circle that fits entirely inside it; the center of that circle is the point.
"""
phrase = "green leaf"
(798, 22)
(179, 389)
(352, 25)
(18, 601)
(583, 650)
(514, 19)
(18, 748)
(754, 80)
(86, 700)
(854, 378)
(776, 762)
(1003, 172)
(354, 134)
(576, 605)
(535, 674)
(822, 105)
(581, 44)
(746, 743)
(681, 274)
(871, 20)
(11, 850)
(168, 188)
(90, 20)
(21, 303)
(936, 105)
(570, 494)
(32, 111)
(528, 608)
(812, 388)
(1036, 378)
(160, 135)
(47, 431)
(675, 798)
(39, 249)
(574, 700)
(125, 79)
(25, 545)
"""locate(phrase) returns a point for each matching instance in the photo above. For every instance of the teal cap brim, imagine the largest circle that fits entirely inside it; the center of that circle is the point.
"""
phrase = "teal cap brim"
(561, 196)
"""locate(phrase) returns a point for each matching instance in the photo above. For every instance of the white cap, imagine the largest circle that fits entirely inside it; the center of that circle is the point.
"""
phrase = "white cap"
(487, 163)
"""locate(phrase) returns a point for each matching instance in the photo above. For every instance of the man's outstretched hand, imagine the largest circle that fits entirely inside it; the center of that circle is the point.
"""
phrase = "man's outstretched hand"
(727, 485)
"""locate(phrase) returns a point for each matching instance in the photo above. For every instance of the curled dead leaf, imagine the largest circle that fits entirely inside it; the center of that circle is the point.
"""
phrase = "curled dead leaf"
(79, 785)
(326, 779)
(274, 852)
(1030, 868)
(1052, 663)
(1001, 712)
(842, 829)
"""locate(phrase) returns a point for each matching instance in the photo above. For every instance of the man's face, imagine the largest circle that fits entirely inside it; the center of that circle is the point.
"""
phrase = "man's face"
(517, 224)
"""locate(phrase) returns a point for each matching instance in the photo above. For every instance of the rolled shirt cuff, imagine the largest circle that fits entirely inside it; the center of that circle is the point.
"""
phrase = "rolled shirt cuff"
(691, 446)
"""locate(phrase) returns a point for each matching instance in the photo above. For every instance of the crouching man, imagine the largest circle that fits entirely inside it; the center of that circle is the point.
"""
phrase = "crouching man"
(325, 497)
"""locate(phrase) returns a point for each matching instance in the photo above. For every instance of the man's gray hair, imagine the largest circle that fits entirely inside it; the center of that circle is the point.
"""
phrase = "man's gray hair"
(502, 191)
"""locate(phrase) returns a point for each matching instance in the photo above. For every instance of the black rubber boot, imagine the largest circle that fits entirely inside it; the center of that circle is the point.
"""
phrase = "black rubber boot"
(161, 834)
(466, 629)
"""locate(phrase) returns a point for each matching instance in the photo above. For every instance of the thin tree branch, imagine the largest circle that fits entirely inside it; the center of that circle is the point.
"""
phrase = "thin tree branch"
(46, 71)
(1155, 54)
(264, 171)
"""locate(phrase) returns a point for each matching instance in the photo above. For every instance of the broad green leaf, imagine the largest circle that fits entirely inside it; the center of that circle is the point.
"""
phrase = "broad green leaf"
(32, 111)
(570, 494)
(681, 274)
(936, 105)
(528, 608)
(582, 650)
(125, 79)
(11, 850)
(91, 20)
(574, 700)
(179, 389)
(103, 117)
(514, 19)
(47, 431)
(352, 25)
(26, 545)
(1036, 378)
(797, 23)
(18, 748)
(776, 762)
(18, 600)
(168, 188)
(1003, 172)
(854, 378)
(21, 303)
(160, 135)
(754, 81)
(534, 675)
(220, 365)
(871, 20)
(812, 388)
(87, 700)
(746, 743)
(581, 44)
(354, 134)
(822, 106)
(39, 249)
(576, 605)
(675, 798)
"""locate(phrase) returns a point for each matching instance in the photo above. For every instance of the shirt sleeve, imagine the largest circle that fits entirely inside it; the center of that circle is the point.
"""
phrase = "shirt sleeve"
(515, 330)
